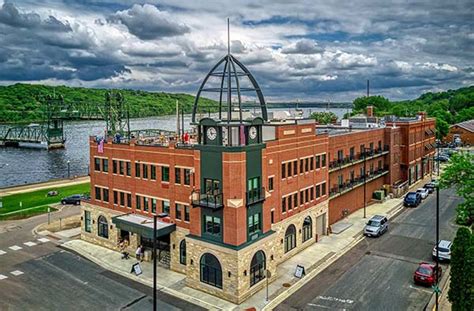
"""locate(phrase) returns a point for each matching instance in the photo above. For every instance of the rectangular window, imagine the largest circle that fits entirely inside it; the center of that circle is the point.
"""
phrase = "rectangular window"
(379, 165)
(121, 168)
(114, 166)
(295, 167)
(371, 168)
(97, 164)
(186, 213)
(340, 155)
(165, 173)
(323, 189)
(145, 170)
(339, 180)
(122, 199)
(212, 225)
(87, 221)
(97, 194)
(145, 204)
(272, 216)
(351, 153)
(105, 165)
(306, 165)
(380, 145)
(318, 161)
(187, 176)
(311, 163)
(137, 169)
(105, 195)
(289, 169)
(153, 205)
(270, 184)
(301, 166)
(371, 147)
(152, 172)
(283, 205)
(323, 160)
(318, 191)
(129, 168)
(178, 211)
(129, 200)
(295, 199)
(290, 202)
(362, 149)
(301, 197)
(138, 202)
(254, 223)
(115, 197)
(306, 196)
(283, 170)
(165, 207)
(177, 175)
(352, 175)
(311, 191)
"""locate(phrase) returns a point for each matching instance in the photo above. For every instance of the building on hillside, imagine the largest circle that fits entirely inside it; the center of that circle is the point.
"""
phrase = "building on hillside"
(241, 195)
(464, 131)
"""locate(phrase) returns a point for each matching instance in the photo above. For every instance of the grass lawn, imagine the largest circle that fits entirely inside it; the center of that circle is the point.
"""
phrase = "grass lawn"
(39, 198)
(20, 214)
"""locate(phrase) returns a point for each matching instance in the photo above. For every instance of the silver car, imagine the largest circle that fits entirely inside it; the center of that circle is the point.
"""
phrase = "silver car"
(376, 226)
(444, 250)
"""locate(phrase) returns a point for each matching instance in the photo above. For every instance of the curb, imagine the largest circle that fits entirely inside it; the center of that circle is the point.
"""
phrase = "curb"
(443, 286)
(163, 289)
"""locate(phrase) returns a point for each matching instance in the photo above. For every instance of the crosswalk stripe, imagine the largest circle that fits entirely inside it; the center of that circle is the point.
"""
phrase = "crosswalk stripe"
(15, 247)
(30, 244)
(2, 252)
(2, 277)
(43, 240)
(16, 272)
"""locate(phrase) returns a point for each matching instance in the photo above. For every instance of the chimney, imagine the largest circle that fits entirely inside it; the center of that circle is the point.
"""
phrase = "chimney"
(421, 115)
(370, 111)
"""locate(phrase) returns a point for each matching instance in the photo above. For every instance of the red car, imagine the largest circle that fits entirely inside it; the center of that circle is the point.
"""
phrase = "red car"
(425, 274)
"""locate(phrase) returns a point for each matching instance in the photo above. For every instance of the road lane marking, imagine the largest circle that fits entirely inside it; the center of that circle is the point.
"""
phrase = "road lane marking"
(329, 298)
(2, 277)
(2, 252)
(421, 289)
(43, 240)
(15, 247)
(30, 244)
(316, 305)
(16, 272)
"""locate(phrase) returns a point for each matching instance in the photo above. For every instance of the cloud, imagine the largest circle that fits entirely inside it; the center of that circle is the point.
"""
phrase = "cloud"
(304, 46)
(147, 22)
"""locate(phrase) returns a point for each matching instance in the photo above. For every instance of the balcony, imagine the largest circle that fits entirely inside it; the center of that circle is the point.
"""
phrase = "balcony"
(359, 158)
(356, 182)
(207, 200)
(255, 196)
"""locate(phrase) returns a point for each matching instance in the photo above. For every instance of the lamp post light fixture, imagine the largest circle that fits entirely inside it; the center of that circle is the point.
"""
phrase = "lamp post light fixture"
(155, 217)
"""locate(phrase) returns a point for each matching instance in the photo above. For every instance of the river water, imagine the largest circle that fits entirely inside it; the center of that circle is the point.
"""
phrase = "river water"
(20, 166)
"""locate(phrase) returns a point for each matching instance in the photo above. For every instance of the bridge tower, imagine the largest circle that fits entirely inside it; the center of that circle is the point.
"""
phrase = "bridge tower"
(117, 116)
(54, 121)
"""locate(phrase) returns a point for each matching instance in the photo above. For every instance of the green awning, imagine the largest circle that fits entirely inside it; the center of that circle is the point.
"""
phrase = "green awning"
(143, 225)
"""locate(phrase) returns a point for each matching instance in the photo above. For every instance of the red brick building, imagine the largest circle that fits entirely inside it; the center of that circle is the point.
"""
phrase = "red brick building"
(243, 195)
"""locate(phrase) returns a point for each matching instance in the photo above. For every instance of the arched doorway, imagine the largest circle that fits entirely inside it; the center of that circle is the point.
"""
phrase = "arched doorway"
(211, 271)
(103, 227)
(182, 252)
(257, 268)
(290, 238)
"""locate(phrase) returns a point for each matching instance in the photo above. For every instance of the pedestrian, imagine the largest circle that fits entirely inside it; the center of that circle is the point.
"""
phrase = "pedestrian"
(139, 253)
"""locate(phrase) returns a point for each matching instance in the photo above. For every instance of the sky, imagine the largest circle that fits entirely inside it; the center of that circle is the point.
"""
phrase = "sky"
(296, 50)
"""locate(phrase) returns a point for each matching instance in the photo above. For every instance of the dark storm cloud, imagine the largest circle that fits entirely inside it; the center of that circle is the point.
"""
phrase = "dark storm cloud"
(9, 15)
(147, 22)
(303, 46)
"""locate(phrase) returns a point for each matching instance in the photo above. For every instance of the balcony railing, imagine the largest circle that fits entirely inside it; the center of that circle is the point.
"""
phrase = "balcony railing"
(255, 196)
(350, 160)
(213, 201)
(356, 182)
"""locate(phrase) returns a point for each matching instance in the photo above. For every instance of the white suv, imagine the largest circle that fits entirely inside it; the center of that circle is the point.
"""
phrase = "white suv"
(444, 250)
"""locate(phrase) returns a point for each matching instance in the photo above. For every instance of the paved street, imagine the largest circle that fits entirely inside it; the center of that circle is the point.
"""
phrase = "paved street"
(377, 274)
(36, 274)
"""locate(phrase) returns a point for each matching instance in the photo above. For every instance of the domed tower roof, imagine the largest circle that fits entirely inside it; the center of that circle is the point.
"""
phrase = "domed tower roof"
(233, 78)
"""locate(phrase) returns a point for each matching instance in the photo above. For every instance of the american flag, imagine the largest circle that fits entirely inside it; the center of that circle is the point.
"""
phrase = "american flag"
(100, 146)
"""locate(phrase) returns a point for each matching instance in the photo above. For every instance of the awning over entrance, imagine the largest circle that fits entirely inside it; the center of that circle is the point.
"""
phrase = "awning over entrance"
(142, 225)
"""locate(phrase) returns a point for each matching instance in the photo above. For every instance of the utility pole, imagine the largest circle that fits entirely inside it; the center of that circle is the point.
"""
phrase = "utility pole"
(368, 86)
(154, 261)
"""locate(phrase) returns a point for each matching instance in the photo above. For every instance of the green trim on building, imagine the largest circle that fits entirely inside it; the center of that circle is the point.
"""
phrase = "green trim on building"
(233, 247)
(143, 231)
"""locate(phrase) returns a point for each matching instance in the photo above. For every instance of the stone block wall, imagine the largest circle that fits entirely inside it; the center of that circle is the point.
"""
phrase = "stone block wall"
(93, 236)
(175, 240)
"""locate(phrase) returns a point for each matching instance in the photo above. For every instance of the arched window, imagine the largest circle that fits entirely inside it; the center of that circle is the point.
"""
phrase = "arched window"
(182, 252)
(290, 238)
(211, 272)
(257, 268)
(307, 229)
(103, 227)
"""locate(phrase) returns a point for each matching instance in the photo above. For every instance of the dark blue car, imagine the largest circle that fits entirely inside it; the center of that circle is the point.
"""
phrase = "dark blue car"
(412, 199)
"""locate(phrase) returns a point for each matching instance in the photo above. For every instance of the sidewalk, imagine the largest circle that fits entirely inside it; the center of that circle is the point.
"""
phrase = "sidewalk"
(44, 185)
(315, 258)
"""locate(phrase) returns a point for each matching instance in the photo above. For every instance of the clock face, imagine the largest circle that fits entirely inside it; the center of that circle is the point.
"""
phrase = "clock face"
(253, 132)
(211, 133)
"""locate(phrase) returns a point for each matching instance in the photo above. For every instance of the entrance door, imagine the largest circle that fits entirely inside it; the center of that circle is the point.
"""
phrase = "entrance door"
(321, 225)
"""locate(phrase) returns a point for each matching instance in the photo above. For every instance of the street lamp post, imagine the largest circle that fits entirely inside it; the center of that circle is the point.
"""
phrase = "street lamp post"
(437, 243)
(68, 169)
(154, 261)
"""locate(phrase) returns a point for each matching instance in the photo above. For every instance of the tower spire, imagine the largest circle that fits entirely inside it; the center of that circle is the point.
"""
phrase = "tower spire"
(228, 36)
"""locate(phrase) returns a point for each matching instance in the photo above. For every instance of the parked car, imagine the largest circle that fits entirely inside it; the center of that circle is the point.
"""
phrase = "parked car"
(376, 226)
(423, 192)
(52, 193)
(426, 274)
(412, 199)
(442, 158)
(444, 250)
(431, 186)
(73, 199)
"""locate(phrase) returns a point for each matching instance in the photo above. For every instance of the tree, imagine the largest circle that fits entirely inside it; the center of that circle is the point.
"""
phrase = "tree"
(465, 114)
(460, 174)
(460, 288)
(324, 117)
(380, 103)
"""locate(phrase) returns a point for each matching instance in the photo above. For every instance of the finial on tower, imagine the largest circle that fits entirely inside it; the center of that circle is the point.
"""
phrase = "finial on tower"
(228, 36)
